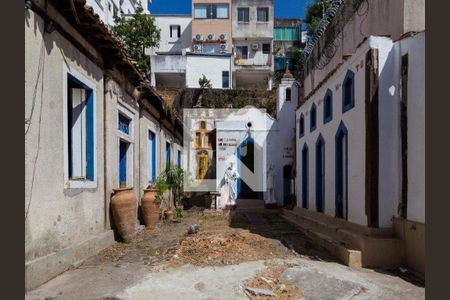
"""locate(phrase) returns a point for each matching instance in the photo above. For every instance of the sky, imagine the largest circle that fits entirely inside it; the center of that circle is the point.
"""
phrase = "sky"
(283, 8)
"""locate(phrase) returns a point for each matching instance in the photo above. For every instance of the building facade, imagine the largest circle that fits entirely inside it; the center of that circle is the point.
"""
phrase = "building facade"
(361, 119)
(252, 34)
(89, 131)
(108, 9)
(286, 37)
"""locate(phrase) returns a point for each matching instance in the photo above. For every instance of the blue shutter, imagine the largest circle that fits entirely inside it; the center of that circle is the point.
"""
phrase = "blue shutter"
(90, 135)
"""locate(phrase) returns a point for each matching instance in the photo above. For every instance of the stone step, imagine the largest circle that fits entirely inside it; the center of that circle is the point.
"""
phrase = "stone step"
(370, 245)
(343, 252)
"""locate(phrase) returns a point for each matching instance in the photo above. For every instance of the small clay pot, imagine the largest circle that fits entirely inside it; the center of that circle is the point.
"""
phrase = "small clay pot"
(124, 210)
(150, 208)
(168, 214)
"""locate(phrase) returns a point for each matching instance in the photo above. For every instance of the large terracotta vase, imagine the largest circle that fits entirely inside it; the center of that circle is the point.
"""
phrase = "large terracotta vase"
(150, 208)
(124, 209)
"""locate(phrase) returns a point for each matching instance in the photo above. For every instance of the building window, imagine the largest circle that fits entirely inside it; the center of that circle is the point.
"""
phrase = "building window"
(288, 94)
(211, 11)
(313, 118)
(301, 126)
(243, 14)
(81, 142)
(328, 107)
(242, 52)
(262, 14)
(168, 154)
(348, 91)
(179, 158)
(175, 31)
(225, 79)
(125, 136)
(266, 48)
(151, 156)
(305, 158)
(115, 11)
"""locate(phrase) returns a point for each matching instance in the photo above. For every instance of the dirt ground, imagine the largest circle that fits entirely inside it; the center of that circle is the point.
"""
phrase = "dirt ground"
(246, 255)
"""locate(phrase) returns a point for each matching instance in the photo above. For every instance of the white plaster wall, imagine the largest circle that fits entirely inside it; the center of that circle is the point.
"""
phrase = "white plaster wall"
(56, 217)
(174, 44)
(255, 58)
(354, 120)
(210, 66)
(415, 47)
(253, 28)
(101, 8)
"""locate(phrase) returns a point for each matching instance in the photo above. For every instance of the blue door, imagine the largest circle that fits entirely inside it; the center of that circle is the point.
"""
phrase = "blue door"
(123, 146)
(179, 159)
(152, 156)
(168, 154)
(320, 174)
(341, 172)
(305, 177)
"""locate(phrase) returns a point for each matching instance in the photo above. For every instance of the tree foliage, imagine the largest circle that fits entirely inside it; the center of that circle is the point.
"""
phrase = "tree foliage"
(137, 32)
(314, 13)
(204, 82)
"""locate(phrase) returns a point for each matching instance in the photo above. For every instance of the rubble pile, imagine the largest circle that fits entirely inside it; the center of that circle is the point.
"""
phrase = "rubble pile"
(226, 248)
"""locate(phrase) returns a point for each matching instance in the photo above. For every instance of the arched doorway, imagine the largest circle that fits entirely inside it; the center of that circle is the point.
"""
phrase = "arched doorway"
(246, 154)
(288, 185)
(305, 176)
(320, 174)
(341, 200)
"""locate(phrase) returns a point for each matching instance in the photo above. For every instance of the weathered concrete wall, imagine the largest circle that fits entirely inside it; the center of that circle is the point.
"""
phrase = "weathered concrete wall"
(415, 48)
(413, 236)
(195, 68)
(398, 17)
(252, 29)
(58, 216)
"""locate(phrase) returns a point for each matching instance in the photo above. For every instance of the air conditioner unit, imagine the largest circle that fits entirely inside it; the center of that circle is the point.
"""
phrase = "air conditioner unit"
(197, 47)
(255, 47)
(211, 37)
(198, 37)
(223, 37)
(223, 47)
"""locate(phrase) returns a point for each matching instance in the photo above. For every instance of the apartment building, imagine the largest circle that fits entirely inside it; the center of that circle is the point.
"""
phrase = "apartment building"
(108, 9)
(286, 37)
(252, 29)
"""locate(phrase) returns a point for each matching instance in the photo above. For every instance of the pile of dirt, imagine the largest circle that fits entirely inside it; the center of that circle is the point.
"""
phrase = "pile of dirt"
(270, 280)
(227, 248)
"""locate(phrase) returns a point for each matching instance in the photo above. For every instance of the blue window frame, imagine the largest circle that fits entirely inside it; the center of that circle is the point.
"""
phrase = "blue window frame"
(313, 118)
(80, 130)
(341, 169)
(348, 91)
(168, 153)
(151, 158)
(328, 107)
(301, 126)
(305, 180)
(225, 79)
(179, 158)
(124, 124)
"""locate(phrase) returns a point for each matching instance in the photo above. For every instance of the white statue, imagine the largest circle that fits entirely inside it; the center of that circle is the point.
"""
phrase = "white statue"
(230, 186)
(270, 185)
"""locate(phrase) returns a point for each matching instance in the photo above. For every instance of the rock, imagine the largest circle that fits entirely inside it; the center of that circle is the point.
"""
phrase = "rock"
(193, 229)
(260, 292)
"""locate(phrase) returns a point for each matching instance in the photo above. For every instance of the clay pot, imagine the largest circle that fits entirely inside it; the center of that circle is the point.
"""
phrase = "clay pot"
(124, 209)
(169, 214)
(150, 208)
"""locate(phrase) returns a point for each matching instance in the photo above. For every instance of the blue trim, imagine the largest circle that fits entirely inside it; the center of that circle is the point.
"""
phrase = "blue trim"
(301, 126)
(328, 107)
(341, 168)
(320, 176)
(90, 135)
(305, 171)
(152, 140)
(348, 91)
(247, 141)
(122, 161)
(313, 118)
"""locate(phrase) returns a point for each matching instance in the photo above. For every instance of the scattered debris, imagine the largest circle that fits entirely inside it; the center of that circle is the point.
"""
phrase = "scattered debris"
(260, 292)
(199, 286)
(193, 229)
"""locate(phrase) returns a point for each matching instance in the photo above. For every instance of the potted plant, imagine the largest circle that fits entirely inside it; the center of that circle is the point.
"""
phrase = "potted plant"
(163, 197)
(171, 180)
